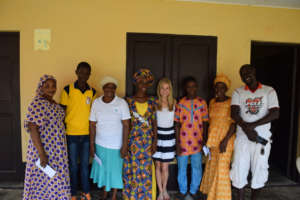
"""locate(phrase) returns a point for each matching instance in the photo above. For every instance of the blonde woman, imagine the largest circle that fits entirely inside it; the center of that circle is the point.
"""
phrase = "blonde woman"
(166, 136)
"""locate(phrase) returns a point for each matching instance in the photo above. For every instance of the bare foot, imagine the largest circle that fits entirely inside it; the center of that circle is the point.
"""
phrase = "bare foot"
(104, 196)
(160, 196)
(166, 195)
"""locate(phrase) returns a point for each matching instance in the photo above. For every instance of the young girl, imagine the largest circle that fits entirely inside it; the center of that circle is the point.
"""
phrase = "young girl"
(166, 136)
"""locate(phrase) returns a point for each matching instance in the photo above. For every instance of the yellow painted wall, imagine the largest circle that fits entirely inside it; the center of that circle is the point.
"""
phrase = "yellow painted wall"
(95, 31)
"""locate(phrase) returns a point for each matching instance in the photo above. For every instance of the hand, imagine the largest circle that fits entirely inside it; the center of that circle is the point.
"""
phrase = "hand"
(124, 151)
(244, 127)
(92, 150)
(223, 145)
(248, 131)
(178, 150)
(154, 148)
(250, 125)
(43, 159)
(252, 135)
(203, 143)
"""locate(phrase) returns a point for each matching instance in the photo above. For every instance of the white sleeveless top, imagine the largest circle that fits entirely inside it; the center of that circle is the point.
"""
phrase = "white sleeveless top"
(165, 118)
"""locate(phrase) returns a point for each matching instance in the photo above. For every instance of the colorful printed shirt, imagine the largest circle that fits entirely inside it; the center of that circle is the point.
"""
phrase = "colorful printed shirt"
(191, 113)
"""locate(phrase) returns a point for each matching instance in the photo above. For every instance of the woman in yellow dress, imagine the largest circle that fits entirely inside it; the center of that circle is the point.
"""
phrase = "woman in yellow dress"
(216, 181)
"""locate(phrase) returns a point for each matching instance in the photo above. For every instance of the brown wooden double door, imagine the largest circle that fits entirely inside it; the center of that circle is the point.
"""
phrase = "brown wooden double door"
(11, 167)
(175, 57)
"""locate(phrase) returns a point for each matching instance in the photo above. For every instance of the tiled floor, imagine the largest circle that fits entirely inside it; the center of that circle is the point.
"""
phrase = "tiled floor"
(278, 188)
(269, 193)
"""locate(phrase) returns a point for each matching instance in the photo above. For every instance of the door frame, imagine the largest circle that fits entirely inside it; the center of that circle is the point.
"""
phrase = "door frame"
(295, 103)
(19, 165)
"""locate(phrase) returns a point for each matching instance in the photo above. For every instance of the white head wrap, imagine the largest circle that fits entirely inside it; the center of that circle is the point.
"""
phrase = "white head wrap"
(108, 79)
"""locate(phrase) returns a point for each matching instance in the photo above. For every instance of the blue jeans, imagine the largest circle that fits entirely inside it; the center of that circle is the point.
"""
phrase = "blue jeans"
(78, 149)
(196, 175)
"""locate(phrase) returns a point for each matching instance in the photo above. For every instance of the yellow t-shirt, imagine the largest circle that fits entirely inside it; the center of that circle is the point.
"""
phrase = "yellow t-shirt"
(78, 105)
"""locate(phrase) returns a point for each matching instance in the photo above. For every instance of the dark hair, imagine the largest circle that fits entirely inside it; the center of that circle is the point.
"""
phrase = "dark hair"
(83, 65)
(188, 79)
(245, 66)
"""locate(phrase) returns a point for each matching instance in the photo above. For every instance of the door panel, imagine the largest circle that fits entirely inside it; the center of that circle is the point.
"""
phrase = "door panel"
(11, 168)
(194, 56)
(173, 56)
(146, 52)
(5, 75)
(275, 66)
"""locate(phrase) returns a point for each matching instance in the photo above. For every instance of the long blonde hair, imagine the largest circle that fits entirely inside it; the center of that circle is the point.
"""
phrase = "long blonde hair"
(171, 100)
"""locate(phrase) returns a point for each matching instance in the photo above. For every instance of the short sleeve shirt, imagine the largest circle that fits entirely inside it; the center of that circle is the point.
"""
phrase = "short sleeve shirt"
(255, 105)
(78, 105)
(191, 113)
(108, 118)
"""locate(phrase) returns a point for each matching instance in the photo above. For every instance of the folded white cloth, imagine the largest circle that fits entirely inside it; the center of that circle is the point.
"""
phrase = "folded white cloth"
(298, 164)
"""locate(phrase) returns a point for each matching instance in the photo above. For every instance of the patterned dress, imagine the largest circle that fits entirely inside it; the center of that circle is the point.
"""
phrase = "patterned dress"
(216, 180)
(137, 172)
(37, 185)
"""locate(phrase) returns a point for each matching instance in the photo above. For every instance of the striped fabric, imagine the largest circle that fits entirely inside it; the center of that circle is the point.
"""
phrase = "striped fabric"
(165, 144)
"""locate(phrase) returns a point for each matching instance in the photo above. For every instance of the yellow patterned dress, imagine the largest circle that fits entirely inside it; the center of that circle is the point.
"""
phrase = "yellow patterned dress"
(216, 181)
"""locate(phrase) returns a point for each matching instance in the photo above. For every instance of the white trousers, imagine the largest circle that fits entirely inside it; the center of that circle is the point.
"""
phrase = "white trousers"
(248, 156)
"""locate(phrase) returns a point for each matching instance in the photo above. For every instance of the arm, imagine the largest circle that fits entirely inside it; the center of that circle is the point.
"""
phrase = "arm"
(205, 132)
(35, 136)
(235, 115)
(64, 107)
(248, 130)
(225, 140)
(92, 138)
(124, 148)
(64, 99)
(154, 142)
(272, 115)
(177, 135)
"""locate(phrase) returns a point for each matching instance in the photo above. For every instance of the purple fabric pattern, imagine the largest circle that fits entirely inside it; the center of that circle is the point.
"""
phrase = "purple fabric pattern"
(49, 119)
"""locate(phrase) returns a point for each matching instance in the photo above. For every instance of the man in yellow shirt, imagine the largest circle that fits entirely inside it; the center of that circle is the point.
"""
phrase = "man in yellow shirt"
(77, 99)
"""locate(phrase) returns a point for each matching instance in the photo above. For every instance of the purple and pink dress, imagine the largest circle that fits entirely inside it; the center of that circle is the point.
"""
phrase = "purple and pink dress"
(49, 118)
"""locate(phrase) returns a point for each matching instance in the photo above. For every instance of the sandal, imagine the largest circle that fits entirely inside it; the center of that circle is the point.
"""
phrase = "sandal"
(85, 196)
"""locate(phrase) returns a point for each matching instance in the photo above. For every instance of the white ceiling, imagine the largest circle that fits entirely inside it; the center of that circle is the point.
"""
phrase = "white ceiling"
(292, 4)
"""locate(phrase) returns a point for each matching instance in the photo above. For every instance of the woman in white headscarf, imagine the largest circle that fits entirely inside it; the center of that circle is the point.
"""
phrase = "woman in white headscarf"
(109, 121)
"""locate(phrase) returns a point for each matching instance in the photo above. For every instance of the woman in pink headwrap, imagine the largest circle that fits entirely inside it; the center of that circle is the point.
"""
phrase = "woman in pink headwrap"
(47, 145)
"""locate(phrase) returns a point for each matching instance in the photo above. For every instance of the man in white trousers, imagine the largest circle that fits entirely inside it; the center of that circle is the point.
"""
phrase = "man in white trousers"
(253, 107)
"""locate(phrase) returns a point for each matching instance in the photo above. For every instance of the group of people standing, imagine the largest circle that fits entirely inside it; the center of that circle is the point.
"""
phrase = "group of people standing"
(133, 140)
